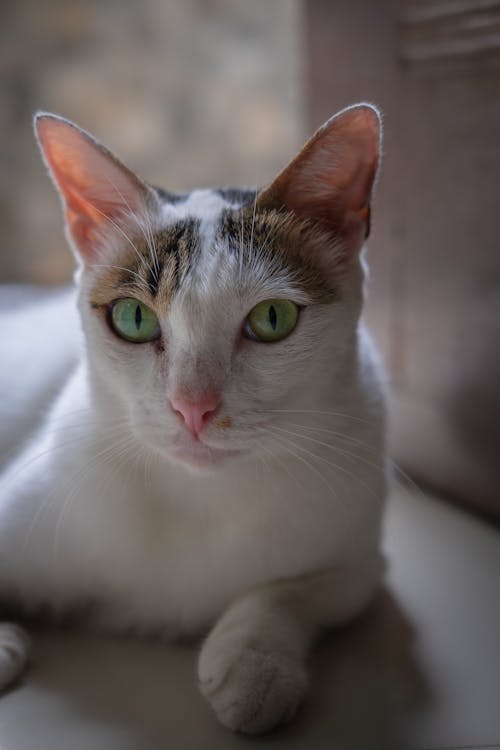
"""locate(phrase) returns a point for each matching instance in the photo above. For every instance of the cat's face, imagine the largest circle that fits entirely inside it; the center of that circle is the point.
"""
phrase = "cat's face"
(209, 316)
(202, 278)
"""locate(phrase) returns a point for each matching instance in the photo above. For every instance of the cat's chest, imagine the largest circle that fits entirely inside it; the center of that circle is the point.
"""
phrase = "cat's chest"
(177, 564)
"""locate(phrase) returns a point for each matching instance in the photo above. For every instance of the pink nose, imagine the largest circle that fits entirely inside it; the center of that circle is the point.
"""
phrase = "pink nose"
(195, 413)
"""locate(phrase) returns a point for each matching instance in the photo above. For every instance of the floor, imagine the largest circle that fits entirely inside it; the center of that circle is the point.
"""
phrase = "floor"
(421, 670)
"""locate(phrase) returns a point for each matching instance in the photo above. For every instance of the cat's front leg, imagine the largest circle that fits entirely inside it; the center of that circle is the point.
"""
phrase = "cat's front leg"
(252, 667)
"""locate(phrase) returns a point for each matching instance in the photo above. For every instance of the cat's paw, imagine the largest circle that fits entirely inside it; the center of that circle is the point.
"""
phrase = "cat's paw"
(251, 689)
(14, 653)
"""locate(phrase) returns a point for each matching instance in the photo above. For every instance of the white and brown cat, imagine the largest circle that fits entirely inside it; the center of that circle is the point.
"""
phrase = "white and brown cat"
(214, 459)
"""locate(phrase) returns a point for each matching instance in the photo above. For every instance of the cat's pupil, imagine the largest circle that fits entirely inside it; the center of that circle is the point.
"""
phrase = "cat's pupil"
(138, 317)
(272, 317)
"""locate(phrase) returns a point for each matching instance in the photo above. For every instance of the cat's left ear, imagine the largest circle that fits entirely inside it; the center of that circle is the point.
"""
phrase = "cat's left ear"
(100, 195)
(331, 179)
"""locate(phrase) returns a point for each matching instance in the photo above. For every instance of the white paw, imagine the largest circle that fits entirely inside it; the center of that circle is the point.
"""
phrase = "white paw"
(251, 690)
(14, 652)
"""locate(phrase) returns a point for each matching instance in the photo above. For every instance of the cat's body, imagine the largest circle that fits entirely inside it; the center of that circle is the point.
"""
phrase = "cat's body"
(203, 472)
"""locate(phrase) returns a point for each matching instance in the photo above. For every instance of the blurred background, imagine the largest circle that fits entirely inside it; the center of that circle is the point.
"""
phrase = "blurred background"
(208, 92)
(189, 93)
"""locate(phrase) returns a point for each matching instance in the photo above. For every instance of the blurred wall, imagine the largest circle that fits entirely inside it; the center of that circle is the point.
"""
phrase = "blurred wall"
(186, 92)
(433, 67)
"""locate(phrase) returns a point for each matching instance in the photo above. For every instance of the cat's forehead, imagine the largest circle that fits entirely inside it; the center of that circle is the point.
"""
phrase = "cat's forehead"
(194, 230)
(204, 203)
(197, 243)
(207, 242)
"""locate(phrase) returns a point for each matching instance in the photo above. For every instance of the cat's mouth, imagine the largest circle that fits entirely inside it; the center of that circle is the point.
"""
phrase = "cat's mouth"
(198, 455)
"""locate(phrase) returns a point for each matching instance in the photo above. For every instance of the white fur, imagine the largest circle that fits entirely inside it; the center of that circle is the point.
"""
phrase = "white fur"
(29, 384)
(111, 505)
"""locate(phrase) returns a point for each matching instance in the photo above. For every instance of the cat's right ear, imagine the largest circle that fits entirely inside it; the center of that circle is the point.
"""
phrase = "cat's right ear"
(99, 194)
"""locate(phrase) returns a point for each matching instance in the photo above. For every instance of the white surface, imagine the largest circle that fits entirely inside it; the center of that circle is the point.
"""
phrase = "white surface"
(422, 670)
(445, 569)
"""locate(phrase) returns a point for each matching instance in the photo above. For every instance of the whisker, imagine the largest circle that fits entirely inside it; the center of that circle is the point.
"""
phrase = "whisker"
(147, 232)
(349, 454)
(242, 245)
(407, 478)
(286, 444)
(120, 230)
(253, 223)
(152, 245)
(9, 478)
(44, 505)
(319, 412)
(335, 433)
(362, 444)
(106, 455)
(141, 280)
(332, 464)
(281, 463)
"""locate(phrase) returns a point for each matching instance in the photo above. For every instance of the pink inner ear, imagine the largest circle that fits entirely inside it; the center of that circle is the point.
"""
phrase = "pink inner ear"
(331, 179)
(96, 189)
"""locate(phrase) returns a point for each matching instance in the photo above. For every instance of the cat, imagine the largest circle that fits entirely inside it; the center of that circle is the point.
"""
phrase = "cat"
(214, 458)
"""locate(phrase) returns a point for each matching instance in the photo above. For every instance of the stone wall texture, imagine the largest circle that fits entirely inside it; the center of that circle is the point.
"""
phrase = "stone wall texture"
(187, 92)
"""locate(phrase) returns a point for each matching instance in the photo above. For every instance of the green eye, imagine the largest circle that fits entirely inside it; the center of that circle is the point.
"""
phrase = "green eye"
(134, 321)
(272, 320)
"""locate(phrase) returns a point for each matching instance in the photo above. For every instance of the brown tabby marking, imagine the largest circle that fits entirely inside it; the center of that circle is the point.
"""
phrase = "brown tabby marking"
(151, 272)
(224, 423)
(154, 277)
(296, 244)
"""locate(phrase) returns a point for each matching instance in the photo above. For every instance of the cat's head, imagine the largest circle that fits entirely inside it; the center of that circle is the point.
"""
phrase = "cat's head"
(209, 315)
